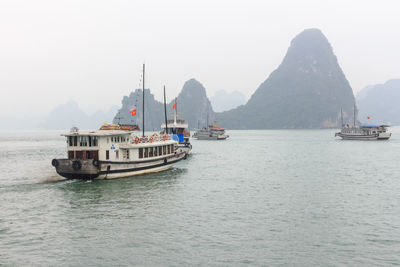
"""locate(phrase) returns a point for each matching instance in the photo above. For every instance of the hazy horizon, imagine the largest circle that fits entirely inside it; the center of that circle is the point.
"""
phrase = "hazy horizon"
(92, 52)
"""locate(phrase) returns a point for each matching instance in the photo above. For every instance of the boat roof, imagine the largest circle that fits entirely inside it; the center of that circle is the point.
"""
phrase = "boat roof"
(175, 125)
(216, 128)
(373, 125)
(98, 133)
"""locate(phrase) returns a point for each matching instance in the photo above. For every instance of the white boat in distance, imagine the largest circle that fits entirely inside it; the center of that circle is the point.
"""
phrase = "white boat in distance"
(212, 132)
(365, 132)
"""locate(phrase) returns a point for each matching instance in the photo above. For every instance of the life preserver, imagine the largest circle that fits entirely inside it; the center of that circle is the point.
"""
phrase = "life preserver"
(137, 140)
(152, 139)
(55, 163)
(165, 137)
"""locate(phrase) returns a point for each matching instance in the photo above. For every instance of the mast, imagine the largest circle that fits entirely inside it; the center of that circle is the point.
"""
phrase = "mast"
(354, 109)
(176, 111)
(143, 103)
(165, 112)
(341, 115)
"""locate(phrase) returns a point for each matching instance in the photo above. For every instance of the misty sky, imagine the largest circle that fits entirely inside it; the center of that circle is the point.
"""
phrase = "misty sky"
(92, 51)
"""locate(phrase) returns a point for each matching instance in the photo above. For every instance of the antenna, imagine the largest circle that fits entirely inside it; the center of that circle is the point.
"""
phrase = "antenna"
(165, 112)
(143, 101)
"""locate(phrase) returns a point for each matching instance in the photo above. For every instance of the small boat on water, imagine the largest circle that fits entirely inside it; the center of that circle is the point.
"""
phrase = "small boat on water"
(115, 151)
(363, 131)
(212, 132)
(179, 131)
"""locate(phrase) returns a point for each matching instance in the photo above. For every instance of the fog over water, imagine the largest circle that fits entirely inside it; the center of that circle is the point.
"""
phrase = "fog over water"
(92, 51)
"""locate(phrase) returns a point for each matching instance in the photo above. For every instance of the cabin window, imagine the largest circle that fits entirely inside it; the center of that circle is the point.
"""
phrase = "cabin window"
(82, 141)
(160, 150)
(150, 152)
(70, 154)
(140, 153)
(92, 154)
(146, 152)
(92, 140)
(70, 140)
(79, 154)
(127, 154)
(164, 150)
(168, 149)
(75, 140)
(155, 152)
(116, 154)
(107, 154)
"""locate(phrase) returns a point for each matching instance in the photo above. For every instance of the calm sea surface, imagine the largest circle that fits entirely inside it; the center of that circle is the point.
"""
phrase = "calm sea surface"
(298, 198)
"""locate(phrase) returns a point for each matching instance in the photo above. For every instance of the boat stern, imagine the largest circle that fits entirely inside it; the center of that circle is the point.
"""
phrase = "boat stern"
(77, 168)
(384, 136)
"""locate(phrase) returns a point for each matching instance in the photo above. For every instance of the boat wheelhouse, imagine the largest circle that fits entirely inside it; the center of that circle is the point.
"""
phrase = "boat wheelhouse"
(179, 131)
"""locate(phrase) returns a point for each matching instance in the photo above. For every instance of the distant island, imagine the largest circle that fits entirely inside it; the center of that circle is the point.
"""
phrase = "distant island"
(380, 103)
(193, 106)
(67, 115)
(306, 91)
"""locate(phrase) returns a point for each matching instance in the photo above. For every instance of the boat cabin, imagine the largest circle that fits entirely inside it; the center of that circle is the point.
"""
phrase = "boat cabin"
(116, 145)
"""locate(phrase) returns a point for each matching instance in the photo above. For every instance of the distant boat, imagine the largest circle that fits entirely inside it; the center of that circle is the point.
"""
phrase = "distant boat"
(212, 132)
(179, 131)
(115, 151)
(364, 131)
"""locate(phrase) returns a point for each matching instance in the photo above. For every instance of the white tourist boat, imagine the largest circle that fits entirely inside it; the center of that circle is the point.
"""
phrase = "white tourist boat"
(107, 154)
(116, 151)
(179, 131)
(212, 132)
(363, 131)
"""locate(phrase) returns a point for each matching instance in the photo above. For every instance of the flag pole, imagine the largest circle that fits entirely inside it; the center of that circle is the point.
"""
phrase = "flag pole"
(165, 112)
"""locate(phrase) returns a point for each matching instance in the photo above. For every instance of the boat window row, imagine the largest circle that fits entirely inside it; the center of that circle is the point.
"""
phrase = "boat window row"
(83, 154)
(82, 140)
(149, 152)
(118, 139)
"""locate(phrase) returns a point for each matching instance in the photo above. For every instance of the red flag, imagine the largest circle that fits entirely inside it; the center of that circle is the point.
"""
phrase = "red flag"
(174, 106)
(133, 112)
(215, 121)
(368, 117)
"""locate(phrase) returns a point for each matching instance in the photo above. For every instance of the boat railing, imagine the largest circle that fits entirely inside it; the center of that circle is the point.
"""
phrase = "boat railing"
(150, 139)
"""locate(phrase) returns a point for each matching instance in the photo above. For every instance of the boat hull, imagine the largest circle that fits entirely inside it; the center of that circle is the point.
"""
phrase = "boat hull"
(213, 137)
(91, 169)
(364, 137)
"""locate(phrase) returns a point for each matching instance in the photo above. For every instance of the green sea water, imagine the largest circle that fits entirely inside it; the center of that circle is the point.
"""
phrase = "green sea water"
(260, 198)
